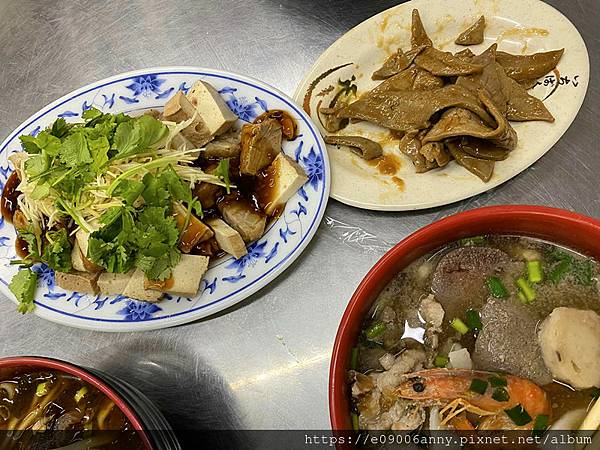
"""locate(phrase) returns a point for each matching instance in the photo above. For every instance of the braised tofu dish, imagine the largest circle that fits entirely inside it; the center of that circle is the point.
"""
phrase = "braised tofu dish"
(138, 206)
(487, 333)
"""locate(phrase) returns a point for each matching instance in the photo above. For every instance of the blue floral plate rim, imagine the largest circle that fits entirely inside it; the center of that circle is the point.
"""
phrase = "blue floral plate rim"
(146, 86)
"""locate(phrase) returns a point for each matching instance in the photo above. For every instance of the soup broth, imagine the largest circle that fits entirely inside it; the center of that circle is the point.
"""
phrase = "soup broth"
(478, 304)
(64, 407)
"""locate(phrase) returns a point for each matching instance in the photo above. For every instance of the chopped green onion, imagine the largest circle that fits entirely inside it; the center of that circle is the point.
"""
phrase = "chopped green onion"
(354, 421)
(478, 385)
(41, 389)
(534, 271)
(354, 358)
(500, 394)
(540, 424)
(222, 171)
(518, 415)
(459, 326)
(526, 289)
(583, 272)
(473, 320)
(80, 394)
(496, 287)
(522, 297)
(558, 255)
(560, 271)
(474, 240)
(375, 330)
(497, 381)
(440, 361)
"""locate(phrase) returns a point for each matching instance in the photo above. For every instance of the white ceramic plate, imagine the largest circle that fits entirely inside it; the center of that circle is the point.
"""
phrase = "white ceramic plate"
(518, 26)
(228, 280)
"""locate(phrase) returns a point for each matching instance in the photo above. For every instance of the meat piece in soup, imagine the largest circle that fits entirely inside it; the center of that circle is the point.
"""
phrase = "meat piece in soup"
(468, 337)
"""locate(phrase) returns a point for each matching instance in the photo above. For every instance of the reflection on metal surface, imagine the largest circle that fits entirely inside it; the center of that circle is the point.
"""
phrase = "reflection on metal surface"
(356, 237)
(277, 372)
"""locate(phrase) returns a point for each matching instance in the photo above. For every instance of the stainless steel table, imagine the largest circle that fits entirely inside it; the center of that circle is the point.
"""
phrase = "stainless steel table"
(264, 363)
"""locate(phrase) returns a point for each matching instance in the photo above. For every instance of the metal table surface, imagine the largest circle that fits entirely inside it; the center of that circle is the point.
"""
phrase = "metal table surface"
(264, 363)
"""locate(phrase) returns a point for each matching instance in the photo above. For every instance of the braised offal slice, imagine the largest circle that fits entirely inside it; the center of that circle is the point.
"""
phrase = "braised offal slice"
(418, 34)
(461, 273)
(524, 68)
(261, 143)
(363, 147)
(462, 122)
(446, 64)
(240, 215)
(507, 341)
(472, 35)
(410, 110)
(483, 168)
(396, 63)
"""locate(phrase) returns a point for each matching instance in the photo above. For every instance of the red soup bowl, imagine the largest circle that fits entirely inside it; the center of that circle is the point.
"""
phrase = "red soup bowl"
(573, 230)
(37, 363)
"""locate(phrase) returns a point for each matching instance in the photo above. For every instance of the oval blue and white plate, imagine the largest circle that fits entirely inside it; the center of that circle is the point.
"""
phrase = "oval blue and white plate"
(228, 281)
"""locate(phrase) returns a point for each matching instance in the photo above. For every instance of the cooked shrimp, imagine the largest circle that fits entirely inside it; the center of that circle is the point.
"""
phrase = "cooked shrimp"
(453, 389)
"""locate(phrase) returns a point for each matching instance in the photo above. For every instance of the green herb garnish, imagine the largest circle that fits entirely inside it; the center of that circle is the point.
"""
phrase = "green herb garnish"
(540, 424)
(375, 330)
(459, 326)
(518, 415)
(222, 171)
(496, 287)
(526, 289)
(441, 361)
(23, 286)
(474, 240)
(500, 394)
(497, 381)
(478, 385)
(473, 320)
(535, 273)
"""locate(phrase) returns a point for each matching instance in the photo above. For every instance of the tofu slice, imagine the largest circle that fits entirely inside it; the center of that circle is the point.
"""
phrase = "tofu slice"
(187, 275)
(211, 106)
(78, 281)
(178, 109)
(228, 239)
(136, 289)
(283, 178)
(113, 283)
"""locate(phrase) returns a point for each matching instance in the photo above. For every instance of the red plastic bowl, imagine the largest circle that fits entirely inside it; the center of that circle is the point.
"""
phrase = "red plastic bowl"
(48, 363)
(573, 230)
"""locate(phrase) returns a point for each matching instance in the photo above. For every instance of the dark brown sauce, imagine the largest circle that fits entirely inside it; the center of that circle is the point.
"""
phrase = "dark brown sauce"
(159, 285)
(21, 247)
(399, 182)
(9, 197)
(287, 122)
(266, 184)
(386, 164)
